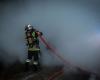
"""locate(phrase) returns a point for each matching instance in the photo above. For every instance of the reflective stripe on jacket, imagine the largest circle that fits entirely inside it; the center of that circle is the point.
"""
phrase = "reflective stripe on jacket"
(33, 49)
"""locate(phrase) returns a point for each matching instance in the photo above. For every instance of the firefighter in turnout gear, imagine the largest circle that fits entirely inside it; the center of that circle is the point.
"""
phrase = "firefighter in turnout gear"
(33, 47)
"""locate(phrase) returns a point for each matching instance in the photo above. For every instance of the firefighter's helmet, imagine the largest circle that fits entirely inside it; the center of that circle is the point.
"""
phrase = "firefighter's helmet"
(28, 27)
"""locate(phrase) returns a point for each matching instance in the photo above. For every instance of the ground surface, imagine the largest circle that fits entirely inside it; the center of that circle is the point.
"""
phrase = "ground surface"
(16, 72)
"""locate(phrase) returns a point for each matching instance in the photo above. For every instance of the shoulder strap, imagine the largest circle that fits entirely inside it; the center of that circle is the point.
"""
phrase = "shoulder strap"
(33, 34)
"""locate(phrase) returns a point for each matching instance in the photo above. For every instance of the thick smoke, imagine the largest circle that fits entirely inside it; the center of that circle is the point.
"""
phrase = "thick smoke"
(71, 27)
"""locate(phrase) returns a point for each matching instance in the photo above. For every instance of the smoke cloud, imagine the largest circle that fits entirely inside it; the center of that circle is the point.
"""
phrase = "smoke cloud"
(71, 27)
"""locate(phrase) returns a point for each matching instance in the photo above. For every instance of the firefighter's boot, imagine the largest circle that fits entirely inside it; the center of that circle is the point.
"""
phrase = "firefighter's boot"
(27, 65)
(35, 66)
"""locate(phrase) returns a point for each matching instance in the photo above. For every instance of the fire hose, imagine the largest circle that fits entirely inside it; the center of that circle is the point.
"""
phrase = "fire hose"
(56, 74)
(56, 53)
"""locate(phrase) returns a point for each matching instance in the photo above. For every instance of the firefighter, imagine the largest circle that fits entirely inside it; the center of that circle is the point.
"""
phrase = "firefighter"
(33, 47)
